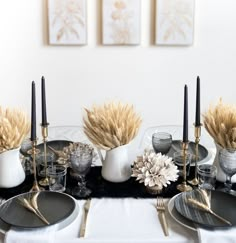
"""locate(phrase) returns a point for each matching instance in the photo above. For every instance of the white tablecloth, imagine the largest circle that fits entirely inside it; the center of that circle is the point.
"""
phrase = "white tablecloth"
(120, 220)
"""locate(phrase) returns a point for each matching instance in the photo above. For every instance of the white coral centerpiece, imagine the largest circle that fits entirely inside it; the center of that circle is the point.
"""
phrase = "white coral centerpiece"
(154, 170)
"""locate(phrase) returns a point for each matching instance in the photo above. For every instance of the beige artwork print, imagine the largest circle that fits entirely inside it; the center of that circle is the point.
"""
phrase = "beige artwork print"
(174, 22)
(67, 24)
(121, 22)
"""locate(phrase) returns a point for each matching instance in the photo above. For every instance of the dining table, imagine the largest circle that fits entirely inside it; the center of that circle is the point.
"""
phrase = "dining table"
(121, 217)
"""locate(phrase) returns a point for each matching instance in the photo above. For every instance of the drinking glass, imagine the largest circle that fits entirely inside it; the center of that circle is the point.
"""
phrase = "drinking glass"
(26, 146)
(179, 162)
(50, 157)
(81, 162)
(206, 176)
(161, 142)
(227, 162)
(57, 178)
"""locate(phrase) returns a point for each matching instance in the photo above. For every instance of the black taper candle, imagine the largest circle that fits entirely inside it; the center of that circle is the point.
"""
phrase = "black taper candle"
(197, 118)
(33, 114)
(44, 111)
(185, 125)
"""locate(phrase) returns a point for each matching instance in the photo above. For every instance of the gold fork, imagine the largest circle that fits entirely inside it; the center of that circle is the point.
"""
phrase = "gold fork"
(84, 219)
(161, 209)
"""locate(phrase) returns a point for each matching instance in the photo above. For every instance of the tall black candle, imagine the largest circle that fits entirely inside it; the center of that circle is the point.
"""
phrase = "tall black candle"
(185, 123)
(33, 114)
(197, 118)
(44, 111)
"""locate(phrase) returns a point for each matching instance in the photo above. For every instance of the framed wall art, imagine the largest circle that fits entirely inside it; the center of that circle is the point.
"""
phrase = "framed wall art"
(67, 22)
(121, 22)
(174, 22)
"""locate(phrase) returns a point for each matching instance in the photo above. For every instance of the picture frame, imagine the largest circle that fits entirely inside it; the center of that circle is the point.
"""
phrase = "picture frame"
(121, 22)
(174, 22)
(67, 22)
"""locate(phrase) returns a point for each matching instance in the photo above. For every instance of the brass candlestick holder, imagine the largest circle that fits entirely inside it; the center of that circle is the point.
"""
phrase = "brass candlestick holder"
(183, 187)
(45, 181)
(35, 187)
(197, 134)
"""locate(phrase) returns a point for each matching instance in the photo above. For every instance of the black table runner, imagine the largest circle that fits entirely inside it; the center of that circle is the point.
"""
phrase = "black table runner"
(102, 188)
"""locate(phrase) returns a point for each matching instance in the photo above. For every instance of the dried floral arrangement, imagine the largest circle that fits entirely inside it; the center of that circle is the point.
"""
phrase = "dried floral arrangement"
(220, 122)
(111, 125)
(14, 127)
(154, 169)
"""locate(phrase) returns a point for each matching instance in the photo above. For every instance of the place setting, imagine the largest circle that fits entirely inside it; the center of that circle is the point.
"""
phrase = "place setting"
(172, 179)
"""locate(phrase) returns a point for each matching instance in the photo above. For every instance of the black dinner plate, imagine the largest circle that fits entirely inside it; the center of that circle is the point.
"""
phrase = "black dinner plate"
(177, 146)
(55, 144)
(222, 204)
(54, 206)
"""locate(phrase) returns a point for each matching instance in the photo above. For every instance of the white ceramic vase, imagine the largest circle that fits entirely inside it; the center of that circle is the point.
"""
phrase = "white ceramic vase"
(11, 171)
(116, 167)
(220, 176)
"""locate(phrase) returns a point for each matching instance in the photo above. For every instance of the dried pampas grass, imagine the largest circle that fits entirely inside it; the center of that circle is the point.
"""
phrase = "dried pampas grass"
(111, 125)
(220, 122)
(14, 126)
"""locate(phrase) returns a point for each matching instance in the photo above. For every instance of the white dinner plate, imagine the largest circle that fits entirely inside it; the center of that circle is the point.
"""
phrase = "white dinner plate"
(178, 217)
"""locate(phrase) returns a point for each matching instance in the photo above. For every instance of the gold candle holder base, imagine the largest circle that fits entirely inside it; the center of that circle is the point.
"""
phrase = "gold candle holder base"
(197, 134)
(194, 182)
(45, 181)
(35, 187)
(183, 187)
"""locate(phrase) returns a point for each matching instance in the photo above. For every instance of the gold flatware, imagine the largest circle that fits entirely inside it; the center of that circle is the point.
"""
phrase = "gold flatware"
(84, 219)
(161, 210)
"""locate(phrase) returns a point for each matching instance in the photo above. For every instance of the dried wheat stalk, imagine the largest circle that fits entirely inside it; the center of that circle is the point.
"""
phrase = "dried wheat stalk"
(14, 126)
(31, 204)
(220, 122)
(205, 208)
(111, 125)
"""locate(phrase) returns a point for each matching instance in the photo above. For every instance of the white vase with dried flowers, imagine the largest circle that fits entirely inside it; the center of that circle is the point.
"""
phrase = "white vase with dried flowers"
(112, 127)
(156, 171)
(14, 127)
(220, 122)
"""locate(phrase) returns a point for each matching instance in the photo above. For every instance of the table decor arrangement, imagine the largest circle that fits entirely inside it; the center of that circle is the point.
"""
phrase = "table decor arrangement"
(14, 127)
(156, 171)
(212, 209)
(111, 127)
(31, 203)
(220, 122)
(204, 205)
(54, 206)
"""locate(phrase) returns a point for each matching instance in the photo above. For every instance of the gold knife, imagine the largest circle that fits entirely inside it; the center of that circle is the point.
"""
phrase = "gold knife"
(84, 219)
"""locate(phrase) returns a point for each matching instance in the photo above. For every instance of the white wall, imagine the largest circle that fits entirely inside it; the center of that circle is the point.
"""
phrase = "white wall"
(151, 77)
